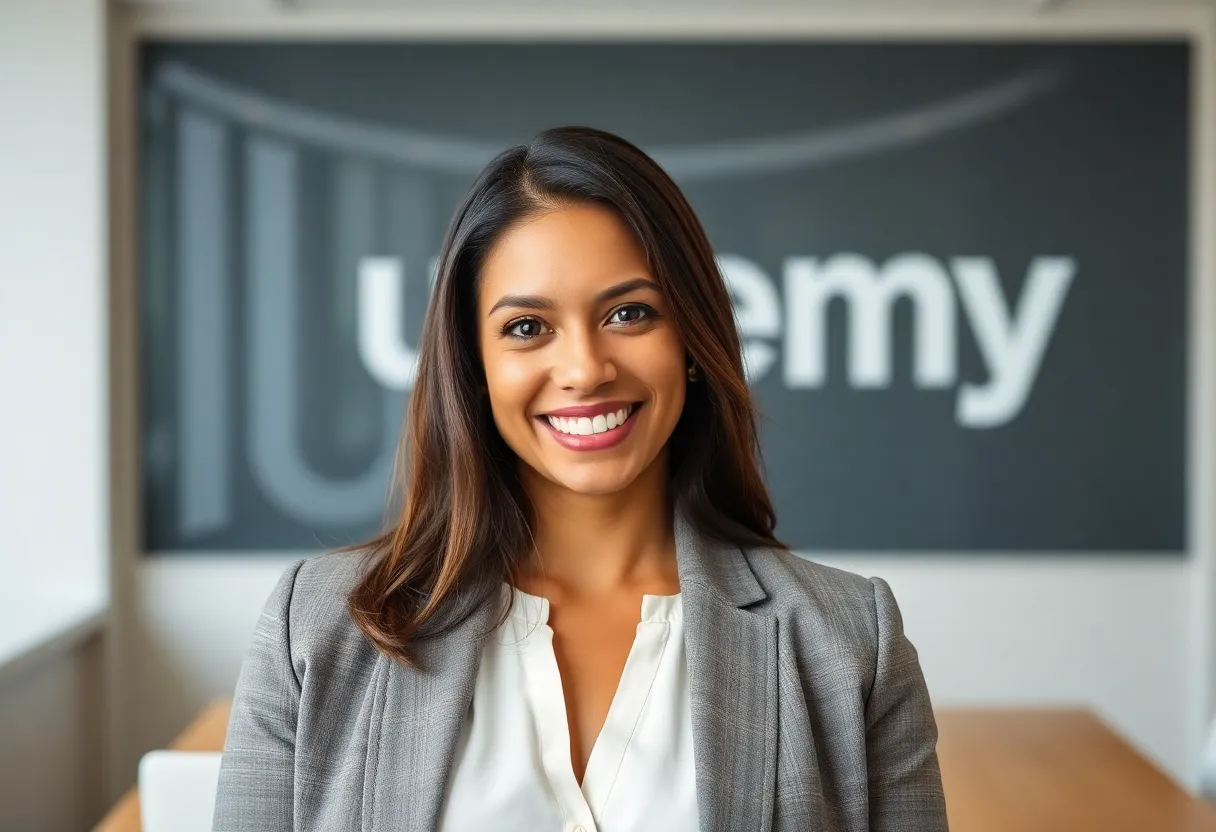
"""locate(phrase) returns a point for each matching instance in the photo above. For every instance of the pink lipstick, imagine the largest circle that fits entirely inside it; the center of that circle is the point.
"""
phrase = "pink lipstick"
(591, 427)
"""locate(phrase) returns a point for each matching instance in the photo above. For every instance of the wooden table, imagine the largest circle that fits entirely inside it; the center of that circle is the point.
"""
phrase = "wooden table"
(1032, 770)
(1043, 770)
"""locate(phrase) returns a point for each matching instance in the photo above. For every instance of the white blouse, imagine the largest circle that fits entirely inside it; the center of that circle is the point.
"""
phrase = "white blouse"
(512, 769)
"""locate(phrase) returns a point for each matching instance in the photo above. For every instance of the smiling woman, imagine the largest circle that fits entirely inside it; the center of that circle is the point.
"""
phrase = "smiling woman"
(580, 618)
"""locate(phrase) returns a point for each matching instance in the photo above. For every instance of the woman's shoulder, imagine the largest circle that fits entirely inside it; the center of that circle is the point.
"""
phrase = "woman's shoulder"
(793, 579)
(319, 625)
(839, 608)
(323, 577)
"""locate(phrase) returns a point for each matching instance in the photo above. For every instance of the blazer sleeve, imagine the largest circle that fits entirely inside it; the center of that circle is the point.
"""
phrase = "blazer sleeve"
(255, 791)
(905, 782)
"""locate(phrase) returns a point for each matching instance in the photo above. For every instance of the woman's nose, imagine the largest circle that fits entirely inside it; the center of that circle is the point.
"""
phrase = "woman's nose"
(582, 363)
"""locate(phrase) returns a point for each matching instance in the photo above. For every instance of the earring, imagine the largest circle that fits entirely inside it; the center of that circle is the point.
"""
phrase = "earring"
(693, 375)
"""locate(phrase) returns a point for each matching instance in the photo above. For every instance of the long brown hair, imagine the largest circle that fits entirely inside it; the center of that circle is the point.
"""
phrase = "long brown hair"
(465, 521)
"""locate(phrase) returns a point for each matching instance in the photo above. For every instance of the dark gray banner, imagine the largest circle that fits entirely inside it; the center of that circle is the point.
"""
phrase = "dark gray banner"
(960, 271)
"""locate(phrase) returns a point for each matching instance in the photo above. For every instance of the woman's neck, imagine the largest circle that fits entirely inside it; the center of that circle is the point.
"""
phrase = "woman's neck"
(595, 544)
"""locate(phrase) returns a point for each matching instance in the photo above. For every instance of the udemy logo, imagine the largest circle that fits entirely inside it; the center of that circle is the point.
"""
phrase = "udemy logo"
(790, 324)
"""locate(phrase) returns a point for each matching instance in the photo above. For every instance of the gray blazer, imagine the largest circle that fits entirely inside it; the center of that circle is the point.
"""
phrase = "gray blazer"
(809, 707)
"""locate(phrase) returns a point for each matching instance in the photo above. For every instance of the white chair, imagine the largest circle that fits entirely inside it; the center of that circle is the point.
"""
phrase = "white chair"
(177, 790)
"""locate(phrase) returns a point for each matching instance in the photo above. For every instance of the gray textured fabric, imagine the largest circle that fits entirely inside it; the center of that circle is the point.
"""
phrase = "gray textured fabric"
(809, 707)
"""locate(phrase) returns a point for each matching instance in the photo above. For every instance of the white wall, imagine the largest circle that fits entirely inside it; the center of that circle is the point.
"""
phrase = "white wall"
(1127, 635)
(53, 355)
(54, 448)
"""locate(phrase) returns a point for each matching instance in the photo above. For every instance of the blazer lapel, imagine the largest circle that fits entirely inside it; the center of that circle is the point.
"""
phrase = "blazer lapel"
(732, 664)
(415, 725)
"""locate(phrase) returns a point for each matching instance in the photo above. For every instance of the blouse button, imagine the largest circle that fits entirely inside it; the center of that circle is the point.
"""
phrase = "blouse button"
(580, 829)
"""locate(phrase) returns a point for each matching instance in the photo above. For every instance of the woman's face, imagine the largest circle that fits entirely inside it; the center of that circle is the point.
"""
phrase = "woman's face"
(583, 364)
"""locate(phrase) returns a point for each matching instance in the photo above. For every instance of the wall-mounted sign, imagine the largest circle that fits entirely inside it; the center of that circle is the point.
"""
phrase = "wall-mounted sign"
(960, 271)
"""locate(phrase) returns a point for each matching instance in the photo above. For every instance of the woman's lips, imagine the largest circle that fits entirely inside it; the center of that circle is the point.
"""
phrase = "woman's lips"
(594, 441)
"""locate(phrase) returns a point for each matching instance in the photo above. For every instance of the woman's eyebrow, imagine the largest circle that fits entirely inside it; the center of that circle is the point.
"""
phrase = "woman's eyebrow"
(521, 302)
(625, 288)
(540, 302)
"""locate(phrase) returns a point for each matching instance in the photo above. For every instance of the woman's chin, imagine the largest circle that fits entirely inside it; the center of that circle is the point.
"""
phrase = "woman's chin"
(595, 489)
(593, 480)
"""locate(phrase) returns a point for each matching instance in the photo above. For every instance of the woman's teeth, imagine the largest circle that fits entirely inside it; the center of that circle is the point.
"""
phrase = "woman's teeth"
(585, 426)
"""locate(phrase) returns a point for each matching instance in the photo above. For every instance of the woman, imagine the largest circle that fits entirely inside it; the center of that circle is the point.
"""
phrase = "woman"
(581, 620)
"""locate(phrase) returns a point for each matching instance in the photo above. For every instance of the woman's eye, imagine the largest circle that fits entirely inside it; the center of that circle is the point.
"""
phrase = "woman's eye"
(524, 328)
(630, 314)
